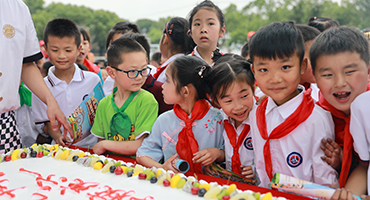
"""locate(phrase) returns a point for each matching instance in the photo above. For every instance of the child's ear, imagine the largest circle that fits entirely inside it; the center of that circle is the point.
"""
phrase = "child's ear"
(111, 72)
(185, 91)
(252, 68)
(304, 66)
(222, 31)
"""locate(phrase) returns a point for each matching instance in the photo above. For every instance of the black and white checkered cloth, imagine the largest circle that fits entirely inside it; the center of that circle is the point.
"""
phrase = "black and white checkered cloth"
(9, 134)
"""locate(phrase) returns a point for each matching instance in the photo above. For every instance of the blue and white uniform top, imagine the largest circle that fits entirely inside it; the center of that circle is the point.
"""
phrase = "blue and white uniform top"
(161, 143)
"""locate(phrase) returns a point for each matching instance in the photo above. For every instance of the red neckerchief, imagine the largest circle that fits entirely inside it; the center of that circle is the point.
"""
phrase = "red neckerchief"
(303, 111)
(342, 136)
(231, 134)
(160, 69)
(187, 145)
(307, 85)
(91, 66)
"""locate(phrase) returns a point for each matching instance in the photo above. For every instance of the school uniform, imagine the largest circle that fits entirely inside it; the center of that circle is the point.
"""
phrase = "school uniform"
(360, 129)
(19, 45)
(196, 53)
(162, 141)
(161, 71)
(297, 154)
(246, 153)
(68, 96)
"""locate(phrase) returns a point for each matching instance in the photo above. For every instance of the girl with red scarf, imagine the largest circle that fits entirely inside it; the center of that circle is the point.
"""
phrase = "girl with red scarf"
(232, 90)
(191, 131)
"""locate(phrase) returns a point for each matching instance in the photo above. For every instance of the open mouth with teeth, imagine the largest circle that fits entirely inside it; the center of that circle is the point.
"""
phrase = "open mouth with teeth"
(342, 95)
(240, 114)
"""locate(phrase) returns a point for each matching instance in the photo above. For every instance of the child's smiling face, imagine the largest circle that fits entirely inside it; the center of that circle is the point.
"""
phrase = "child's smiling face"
(237, 101)
(341, 78)
(278, 78)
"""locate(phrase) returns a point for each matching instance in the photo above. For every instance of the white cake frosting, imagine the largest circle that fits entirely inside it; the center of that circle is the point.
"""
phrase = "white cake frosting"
(59, 179)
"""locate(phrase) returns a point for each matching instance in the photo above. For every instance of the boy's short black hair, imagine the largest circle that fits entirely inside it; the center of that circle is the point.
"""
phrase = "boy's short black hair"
(62, 27)
(339, 40)
(141, 39)
(119, 46)
(277, 40)
(245, 50)
(308, 32)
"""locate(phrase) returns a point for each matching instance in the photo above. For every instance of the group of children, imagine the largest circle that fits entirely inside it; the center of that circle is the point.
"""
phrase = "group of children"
(206, 101)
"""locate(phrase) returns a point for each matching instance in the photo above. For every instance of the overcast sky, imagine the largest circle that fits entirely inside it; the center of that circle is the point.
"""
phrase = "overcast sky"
(133, 10)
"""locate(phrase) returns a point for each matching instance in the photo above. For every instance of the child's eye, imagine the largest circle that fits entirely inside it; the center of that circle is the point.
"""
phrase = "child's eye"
(54, 50)
(285, 67)
(68, 50)
(228, 101)
(245, 96)
(327, 75)
(211, 23)
(196, 24)
(263, 70)
(349, 72)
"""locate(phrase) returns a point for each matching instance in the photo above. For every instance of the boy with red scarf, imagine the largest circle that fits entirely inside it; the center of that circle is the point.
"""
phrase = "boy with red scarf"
(340, 60)
(287, 126)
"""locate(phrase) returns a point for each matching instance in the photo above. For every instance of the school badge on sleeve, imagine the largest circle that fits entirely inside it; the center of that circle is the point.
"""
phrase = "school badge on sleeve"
(294, 159)
(8, 31)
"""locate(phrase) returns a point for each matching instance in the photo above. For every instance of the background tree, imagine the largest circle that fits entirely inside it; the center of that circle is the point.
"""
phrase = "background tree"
(239, 22)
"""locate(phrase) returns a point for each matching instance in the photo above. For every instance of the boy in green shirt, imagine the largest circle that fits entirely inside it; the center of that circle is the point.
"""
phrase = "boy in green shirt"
(124, 118)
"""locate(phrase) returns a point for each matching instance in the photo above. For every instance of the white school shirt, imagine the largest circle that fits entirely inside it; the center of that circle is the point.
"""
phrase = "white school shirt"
(246, 153)
(196, 53)
(360, 128)
(298, 154)
(108, 86)
(68, 96)
(18, 45)
(162, 77)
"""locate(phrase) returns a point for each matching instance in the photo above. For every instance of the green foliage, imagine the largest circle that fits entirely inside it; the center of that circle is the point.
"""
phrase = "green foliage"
(238, 21)
(34, 5)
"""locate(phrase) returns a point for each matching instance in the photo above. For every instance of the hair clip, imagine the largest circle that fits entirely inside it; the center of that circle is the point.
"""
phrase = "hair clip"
(169, 31)
(315, 18)
(201, 71)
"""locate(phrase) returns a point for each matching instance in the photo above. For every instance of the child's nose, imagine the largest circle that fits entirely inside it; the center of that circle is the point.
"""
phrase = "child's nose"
(340, 81)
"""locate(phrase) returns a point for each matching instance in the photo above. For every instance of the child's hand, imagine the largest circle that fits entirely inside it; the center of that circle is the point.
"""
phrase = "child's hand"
(99, 148)
(333, 153)
(342, 194)
(207, 156)
(60, 139)
(168, 165)
(247, 172)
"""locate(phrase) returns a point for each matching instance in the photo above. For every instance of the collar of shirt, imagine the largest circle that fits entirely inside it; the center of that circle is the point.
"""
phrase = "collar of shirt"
(172, 58)
(288, 107)
(77, 76)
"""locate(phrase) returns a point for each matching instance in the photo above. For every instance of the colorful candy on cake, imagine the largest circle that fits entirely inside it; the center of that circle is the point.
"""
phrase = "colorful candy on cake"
(53, 172)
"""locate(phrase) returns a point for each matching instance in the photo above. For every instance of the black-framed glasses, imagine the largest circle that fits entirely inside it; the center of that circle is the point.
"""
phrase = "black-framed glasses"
(134, 73)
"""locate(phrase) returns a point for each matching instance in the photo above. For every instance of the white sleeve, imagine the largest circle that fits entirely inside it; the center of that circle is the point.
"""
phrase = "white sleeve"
(360, 126)
(31, 43)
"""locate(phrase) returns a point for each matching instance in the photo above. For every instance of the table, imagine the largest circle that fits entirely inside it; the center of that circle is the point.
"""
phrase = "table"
(209, 179)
